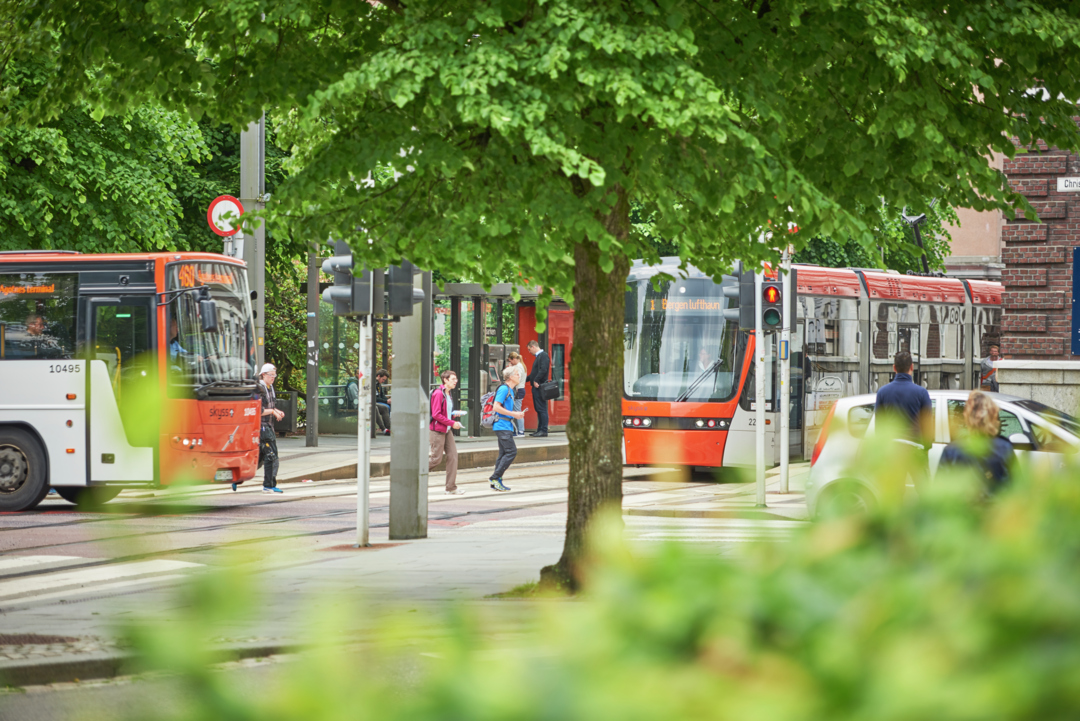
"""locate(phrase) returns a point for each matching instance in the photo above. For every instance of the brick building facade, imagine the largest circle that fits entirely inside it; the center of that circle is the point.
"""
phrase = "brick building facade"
(1036, 320)
(1037, 313)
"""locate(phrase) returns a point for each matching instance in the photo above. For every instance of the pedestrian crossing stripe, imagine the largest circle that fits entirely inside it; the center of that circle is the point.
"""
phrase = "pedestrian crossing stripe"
(62, 582)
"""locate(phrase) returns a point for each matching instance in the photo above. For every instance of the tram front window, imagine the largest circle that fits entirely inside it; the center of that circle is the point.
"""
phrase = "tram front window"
(678, 347)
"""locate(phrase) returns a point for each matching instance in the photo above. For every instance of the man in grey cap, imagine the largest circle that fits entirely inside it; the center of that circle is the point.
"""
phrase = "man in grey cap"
(268, 452)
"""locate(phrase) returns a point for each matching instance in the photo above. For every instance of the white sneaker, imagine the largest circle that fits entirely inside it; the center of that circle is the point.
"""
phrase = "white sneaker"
(456, 492)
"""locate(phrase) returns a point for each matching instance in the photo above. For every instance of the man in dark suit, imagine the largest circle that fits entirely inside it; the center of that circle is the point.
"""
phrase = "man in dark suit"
(541, 369)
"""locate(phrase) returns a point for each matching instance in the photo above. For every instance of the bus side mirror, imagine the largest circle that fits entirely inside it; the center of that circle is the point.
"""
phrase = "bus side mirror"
(207, 312)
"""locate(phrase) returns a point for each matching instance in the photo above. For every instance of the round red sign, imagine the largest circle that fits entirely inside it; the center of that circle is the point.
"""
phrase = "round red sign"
(220, 207)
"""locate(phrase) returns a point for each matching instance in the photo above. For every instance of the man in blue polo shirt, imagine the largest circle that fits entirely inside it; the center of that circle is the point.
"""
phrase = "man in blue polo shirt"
(908, 405)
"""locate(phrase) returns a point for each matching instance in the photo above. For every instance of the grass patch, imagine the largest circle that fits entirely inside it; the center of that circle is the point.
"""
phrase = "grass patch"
(532, 589)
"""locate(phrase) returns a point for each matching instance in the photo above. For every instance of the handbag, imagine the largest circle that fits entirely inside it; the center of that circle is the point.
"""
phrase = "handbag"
(519, 393)
(549, 390)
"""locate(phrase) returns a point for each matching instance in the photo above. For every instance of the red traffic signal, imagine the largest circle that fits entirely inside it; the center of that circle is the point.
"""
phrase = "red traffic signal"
(771, 294)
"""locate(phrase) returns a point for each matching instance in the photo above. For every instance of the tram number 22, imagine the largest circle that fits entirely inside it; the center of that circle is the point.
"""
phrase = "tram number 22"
(753, 421)
(68, 368)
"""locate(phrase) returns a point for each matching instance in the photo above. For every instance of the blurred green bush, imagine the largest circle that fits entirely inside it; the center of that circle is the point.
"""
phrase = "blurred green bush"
(940, 610)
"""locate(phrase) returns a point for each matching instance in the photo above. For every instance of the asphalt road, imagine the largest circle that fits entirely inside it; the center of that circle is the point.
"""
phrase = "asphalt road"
(84, 576)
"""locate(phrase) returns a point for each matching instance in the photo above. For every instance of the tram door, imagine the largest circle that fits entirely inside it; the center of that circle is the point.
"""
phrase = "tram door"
(893, 327)
(829, 336)
(741, 446)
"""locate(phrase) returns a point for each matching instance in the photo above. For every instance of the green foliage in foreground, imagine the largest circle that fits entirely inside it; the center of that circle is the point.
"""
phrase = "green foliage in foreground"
(947, 610)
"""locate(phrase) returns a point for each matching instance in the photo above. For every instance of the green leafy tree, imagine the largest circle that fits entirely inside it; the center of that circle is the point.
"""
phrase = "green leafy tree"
(518, 131)
(896, 247)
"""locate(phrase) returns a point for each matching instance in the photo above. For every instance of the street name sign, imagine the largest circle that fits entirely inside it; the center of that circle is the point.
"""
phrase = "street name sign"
(1069, 185)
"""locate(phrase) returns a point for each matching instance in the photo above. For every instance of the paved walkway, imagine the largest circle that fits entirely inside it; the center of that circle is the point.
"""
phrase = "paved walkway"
(478, 544)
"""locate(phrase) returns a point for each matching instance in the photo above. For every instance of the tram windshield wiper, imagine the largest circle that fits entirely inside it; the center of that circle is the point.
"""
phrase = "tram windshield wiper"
(708, 373)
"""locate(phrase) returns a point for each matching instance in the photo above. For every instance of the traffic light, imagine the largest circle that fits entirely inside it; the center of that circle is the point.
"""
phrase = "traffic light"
(401, 294)
(740, 285)
(772, 304)
(350, 295)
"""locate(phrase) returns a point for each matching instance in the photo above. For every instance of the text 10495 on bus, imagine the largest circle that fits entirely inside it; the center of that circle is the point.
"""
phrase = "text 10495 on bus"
(688, 391)
(123, 370)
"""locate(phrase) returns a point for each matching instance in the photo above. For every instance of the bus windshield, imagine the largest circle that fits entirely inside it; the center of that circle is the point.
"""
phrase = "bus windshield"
(678, 347)
(197, 358)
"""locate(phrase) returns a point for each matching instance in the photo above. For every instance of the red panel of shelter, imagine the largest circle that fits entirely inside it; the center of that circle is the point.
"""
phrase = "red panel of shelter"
(815, 280)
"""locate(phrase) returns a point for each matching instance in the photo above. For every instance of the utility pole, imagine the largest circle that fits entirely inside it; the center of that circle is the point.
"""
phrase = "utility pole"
(785, 370)
(312, 372)
(759, 392)
(409, 417)
(253, 197)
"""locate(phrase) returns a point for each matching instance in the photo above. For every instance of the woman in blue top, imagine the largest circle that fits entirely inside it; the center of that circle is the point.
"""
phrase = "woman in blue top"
(504, 425)
(981, 448)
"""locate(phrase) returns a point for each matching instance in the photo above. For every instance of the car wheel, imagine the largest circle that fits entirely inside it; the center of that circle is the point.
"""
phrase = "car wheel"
(844, 499)
(24, 480)
(88, 497)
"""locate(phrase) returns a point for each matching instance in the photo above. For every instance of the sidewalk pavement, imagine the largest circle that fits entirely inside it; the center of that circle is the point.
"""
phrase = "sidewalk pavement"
(335, 456)
(454, 563)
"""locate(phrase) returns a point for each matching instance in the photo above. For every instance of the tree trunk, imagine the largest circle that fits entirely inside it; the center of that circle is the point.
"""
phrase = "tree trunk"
(596, 374)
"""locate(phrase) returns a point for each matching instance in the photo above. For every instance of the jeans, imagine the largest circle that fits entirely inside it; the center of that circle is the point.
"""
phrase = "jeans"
(382, 416)
(507, 453)
(268, 456)
(519, 423)
(540, 406)
(442, 444)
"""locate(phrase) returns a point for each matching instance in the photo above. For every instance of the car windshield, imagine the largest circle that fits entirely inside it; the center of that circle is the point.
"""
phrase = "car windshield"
(1052, 415)
(677, 344)
(197, 358)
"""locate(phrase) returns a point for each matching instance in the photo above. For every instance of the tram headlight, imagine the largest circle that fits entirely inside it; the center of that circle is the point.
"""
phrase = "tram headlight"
(646, 422)
(711, 423)
(637, 421)
(628, 422)
(699, 423)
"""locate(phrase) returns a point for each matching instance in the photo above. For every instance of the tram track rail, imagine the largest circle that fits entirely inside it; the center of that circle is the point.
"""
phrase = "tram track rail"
(210, 547)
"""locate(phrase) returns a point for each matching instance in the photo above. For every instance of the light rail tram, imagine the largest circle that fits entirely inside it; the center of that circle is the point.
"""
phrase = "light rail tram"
(688, 391)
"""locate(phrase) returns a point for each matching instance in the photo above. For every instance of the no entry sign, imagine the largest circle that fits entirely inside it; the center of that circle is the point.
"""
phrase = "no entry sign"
(220, 207)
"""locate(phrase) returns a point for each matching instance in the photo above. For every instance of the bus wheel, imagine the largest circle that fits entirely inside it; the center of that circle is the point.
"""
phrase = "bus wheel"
(23, 480)
(88, 497)
(845, 498)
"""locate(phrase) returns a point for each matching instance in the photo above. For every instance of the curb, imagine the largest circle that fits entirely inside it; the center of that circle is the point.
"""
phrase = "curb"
(60, 669)
(477, 458)
(752, 514)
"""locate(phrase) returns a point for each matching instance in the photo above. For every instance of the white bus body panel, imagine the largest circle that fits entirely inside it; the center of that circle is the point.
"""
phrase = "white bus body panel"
(34, 393)
(131, 464)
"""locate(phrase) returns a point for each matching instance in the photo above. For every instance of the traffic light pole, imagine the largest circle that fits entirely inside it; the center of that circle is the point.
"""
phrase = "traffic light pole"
(784, 358)
(363, 429)
(759, 393)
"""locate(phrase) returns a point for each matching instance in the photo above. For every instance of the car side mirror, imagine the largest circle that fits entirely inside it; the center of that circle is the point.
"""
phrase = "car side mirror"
(1020, 441)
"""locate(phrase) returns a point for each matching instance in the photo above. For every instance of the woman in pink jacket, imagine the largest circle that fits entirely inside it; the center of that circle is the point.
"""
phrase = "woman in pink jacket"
(442, 425)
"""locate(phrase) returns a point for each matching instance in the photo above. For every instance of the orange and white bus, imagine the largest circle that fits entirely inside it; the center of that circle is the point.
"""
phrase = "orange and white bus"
(124, 370)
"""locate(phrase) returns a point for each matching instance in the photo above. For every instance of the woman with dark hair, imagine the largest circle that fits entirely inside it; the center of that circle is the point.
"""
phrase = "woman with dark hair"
(441, 431)
(980, 447)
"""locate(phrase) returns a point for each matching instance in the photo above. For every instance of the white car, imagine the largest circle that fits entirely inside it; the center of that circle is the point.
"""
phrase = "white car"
(1039, 433)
